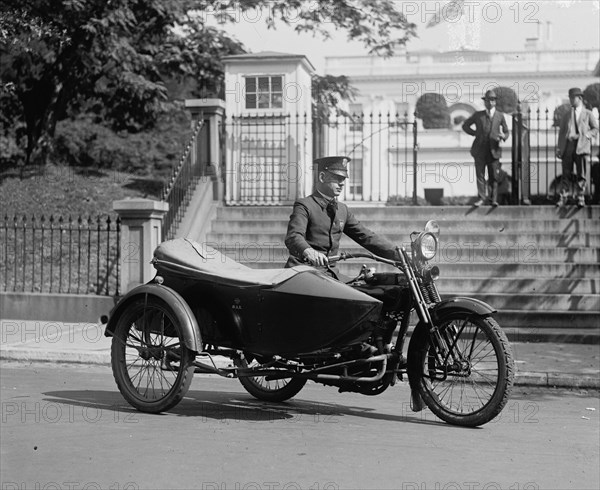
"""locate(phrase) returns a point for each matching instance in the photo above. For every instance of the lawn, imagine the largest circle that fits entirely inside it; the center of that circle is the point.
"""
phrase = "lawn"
(48, 248)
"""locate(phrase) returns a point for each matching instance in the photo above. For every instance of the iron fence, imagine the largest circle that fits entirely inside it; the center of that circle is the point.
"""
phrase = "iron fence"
(264, 155)
(383, 148)
(541, 169)
(60, 255)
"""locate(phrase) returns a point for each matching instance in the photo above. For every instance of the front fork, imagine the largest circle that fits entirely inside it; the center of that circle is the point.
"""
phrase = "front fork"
(443, 345)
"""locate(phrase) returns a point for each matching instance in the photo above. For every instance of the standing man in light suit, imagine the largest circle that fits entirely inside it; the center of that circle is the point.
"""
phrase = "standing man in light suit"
(490, 129)
(577, 129)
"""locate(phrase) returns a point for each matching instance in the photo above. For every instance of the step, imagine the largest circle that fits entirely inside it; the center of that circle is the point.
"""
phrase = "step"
(535, 322)
(452, 253)
(520, 285)
(567, 226)
(424, 213)
(534, 301)
(554, 335)
(527, 325)
(481, 270)
(457, 240)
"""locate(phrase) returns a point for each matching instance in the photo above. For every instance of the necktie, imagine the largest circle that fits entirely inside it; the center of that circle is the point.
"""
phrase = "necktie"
(575, 121)
(332, 208)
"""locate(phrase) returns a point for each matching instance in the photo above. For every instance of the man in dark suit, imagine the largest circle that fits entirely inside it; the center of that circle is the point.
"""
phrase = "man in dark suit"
(577, 129)
(318, 221)
(490, 129)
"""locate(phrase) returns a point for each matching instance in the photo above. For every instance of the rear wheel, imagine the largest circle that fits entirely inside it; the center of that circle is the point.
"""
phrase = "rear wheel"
(469, 382)
(269, 390)
(151, 365)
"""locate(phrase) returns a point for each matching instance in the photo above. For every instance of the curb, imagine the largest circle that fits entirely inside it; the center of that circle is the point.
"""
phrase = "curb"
(557, 380)
(37, 355)
(526, 378)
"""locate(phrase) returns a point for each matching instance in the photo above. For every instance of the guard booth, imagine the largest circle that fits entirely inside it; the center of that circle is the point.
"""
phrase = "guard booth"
(267, 128)
(521, 168)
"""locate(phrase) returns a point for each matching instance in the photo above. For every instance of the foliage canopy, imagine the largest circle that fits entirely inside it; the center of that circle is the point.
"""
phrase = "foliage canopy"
(118, 59)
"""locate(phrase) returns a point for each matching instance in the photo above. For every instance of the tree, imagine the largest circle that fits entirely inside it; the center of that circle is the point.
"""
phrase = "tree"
(559, 113)
(433, 110)
(507, 100)
(591, 95)
(327, 93)
(58, 53)
(70, 56)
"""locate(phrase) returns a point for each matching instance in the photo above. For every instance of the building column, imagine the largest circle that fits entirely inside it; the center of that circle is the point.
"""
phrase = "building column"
(141, 233)
(208, 150)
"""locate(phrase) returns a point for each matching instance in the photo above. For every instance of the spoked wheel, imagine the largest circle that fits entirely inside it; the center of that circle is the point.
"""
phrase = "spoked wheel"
(275, 390)
(469, 382)
(151, 365)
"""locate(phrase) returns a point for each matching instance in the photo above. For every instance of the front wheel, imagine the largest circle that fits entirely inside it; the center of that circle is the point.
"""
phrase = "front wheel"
(276, 390)
(465, 374)
(151, 365)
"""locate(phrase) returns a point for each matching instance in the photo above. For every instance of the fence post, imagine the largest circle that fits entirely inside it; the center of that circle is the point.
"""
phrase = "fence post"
(141, 233)
(209, 155)
(415, 151)
(520, 159)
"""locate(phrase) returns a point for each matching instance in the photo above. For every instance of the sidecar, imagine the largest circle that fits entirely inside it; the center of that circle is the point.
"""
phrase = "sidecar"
(274, 311)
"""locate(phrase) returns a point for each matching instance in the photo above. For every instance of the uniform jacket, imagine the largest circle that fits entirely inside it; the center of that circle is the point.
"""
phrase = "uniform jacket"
(588, 129)
(486, 134)
(311, 227)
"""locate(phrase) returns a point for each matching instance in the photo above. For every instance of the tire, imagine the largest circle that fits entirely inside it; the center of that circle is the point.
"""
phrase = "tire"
(151, 365)
(478, 385)
(277, 390)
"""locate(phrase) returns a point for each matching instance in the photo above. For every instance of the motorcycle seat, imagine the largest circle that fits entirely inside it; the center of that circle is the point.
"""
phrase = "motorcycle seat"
(200, 261)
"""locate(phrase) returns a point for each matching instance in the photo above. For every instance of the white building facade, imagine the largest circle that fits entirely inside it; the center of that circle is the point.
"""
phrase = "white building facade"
(391, 87)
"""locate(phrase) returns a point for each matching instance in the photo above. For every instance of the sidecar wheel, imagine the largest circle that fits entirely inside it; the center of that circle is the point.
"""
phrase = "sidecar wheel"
(151, 365)
(471, 386)
(277, 390)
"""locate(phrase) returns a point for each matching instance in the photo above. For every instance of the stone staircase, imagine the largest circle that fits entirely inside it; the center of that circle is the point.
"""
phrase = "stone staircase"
(537, 265)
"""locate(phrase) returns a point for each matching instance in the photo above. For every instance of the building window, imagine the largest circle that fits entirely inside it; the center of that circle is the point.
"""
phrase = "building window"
(356, 178)
(264, 92)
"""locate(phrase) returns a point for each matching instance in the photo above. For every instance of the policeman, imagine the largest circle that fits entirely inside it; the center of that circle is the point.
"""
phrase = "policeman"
(318, 221)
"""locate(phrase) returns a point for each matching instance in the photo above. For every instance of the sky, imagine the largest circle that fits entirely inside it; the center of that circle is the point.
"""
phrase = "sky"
(501, 25)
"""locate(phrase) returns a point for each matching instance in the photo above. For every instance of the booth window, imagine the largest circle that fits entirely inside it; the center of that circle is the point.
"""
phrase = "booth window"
(264, 92)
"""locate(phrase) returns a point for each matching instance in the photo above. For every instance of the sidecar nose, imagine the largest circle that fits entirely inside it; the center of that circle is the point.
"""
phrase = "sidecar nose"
(312, 311)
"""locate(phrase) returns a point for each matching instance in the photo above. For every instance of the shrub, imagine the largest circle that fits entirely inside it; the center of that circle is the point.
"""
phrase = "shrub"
(559, 113)
(433, 110)
(591, 95)
(507, 100)
(11, 153)
(83, 142)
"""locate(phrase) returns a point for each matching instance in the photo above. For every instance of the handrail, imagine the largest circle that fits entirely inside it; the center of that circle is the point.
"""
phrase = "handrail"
(177, 192)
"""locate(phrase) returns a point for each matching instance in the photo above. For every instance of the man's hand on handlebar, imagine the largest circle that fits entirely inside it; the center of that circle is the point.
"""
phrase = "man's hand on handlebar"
(315, 258)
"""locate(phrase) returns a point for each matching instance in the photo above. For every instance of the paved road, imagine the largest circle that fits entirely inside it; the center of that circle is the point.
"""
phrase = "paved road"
(66, 426)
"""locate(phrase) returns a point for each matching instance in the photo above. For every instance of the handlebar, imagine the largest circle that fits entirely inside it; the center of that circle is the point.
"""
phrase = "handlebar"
(361, 255)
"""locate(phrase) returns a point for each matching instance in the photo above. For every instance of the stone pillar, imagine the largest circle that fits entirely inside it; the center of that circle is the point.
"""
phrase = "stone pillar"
(209, 154)
(141, 233)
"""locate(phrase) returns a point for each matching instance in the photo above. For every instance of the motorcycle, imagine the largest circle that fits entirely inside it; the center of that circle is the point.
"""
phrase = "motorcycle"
(279, 328)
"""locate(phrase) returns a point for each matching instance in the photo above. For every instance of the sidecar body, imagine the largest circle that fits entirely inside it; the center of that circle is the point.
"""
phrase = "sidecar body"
(287, 312)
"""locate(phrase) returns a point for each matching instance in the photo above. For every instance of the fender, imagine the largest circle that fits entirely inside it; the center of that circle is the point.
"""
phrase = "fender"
(189, 325)
(461, 304)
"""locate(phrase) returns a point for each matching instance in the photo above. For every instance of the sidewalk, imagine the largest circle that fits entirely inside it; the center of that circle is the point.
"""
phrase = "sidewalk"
(567, 365)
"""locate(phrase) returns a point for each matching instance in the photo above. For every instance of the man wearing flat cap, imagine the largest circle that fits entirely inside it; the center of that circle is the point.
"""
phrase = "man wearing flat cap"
(490, 129)
(577, 129)
(318, 221)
